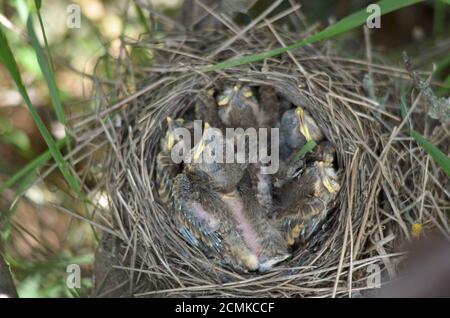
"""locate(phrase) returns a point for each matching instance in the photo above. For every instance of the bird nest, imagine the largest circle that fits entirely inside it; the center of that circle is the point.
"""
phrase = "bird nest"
(383, 173)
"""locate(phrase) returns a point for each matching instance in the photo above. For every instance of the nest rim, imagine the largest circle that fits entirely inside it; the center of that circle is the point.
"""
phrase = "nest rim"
(333, 95)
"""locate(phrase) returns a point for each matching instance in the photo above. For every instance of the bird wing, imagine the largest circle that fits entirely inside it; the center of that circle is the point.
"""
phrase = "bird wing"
(198, 226)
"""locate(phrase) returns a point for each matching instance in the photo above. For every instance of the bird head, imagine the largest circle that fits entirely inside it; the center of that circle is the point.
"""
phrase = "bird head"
(237, 97)
(214, 157)
(171, 137)
(307, 125)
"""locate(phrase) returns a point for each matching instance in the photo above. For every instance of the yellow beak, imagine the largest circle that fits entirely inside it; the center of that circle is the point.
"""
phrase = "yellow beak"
(170, 137)
(303, 128)
(201, 145)
(326, 182)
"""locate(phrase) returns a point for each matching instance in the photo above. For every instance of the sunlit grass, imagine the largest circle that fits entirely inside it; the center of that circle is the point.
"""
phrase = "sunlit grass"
(8, 60)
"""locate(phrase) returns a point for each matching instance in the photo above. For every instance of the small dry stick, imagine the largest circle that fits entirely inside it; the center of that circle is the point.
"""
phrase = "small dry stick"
(7, 288)
(368, 79)
(247, 28)
(439, 107)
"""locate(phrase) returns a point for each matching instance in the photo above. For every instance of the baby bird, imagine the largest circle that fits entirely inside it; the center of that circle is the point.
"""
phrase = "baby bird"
(217, 213)
(273, 247)
(269, 107)
(296, 128)
(231, 211)
(209, 159)
(324, 151)
(208, 205)
(238, 107)
(166, 169)
(203, 223)
(307, 201)
(262, 183)
(206, 108)
(290, 168)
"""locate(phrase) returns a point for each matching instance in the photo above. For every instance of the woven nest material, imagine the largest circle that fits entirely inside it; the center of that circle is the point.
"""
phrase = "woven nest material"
(383, 171)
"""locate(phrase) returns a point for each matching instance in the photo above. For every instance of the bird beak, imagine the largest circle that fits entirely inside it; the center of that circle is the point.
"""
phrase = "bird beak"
(170, 138)
(223, 101)
(303, 128)
(247, 92)
(326, 182)
(199, 150)
(201, 145)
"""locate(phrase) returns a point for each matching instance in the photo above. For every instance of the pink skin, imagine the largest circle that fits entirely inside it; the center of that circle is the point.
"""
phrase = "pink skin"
(236, 206)
(203, 215)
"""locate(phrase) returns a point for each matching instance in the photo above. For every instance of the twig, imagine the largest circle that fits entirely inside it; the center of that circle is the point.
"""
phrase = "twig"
(7, 288)
(247, 28)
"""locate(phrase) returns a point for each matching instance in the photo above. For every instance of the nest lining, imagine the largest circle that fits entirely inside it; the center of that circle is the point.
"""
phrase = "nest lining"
(374, 186)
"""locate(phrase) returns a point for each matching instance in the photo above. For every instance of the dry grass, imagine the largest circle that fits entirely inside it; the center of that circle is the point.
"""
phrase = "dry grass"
(388, 182)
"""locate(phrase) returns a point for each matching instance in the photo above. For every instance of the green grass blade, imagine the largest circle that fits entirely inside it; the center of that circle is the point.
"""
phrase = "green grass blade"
(26, 176)
(439, 17)
(44, 35)
(44, 60)
(34, 165)
(19, 140)
(6, 218)
(342, 26)
(47, 72)
(442, 65)
(142, 19)
(441, 159)
(438, 156)
(38, 4)
(444, 90)
(404, 110)
(309, 146)
(10, 63)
